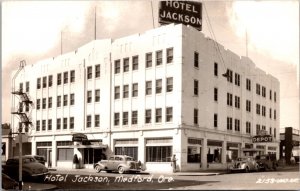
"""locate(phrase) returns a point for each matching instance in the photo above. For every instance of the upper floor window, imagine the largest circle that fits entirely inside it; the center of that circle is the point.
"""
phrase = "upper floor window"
(27, 87)
(263, 111)
(97, 95)
(65, 123)
(43, 125)
(135, 63)
(215, 120)
(229, 99)
(88, 121)
(97, 71)
(237, 79)
(258, 109)
(117, 92)
(38, 83)
(196, 88)
(158, 115)
(49, 124)
(72, 76)
(89, 72)
(117, 66)
(229, 75)
(134, 117)
(44, 103)
(58, 124)
(169, 84)
(216, 69)
(50, 81)
(97, 120)
(158, 86)
(71, 122)
(125, 118)
(135, 90)
(149, 60)
(65, 77)
(216, 94)
(248, 105)
(58, 101)
(229, 123)
(196, 116)
(270, 113)
(263, 91)
(125, 91)
(248, 84)
(159, 58)
(125, 64)
(257, 89)
(270, 94)
(89, 96)
(44, 82)
(248, 127)
(196, 59)
(116, 119)
(72, 99)
(65, 100)
(275, 96)
(169, 55)
(237, 102)
(148, 116)
(50, 102)
(169, 114)
(38, 125)
(148, 87)
(59, 79)
(38, 104)
(236, 124)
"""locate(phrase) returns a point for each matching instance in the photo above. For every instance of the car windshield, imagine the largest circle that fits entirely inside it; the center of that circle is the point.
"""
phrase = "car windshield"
(129, 159)
(28, 160)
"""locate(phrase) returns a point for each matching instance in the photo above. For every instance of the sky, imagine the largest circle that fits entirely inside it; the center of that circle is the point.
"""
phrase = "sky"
(35, 30)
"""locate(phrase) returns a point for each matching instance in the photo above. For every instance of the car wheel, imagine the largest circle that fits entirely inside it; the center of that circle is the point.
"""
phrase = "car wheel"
(274, 167)
(121, 170)
(98, 168)
(247, 169)
(257, 168)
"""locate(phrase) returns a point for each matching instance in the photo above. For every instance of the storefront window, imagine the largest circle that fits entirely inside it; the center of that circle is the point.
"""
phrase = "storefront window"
(194, 154)
(158, 153)
(214, 154)
(129, 151)
(65, 154)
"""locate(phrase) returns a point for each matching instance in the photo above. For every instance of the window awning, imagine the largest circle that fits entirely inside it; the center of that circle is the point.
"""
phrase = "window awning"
(95, 145)
(251, 149)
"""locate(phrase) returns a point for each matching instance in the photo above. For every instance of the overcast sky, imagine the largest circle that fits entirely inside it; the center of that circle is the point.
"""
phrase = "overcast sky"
(31, 31)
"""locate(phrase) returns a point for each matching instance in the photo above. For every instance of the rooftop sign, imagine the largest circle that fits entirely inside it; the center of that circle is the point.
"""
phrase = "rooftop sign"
(185, 12)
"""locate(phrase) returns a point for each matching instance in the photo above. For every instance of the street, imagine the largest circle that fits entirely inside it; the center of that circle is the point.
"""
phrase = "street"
(282, 179)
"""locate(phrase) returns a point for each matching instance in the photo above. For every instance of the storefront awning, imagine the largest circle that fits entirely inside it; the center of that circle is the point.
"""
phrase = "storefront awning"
(251, 150)
(101, 146)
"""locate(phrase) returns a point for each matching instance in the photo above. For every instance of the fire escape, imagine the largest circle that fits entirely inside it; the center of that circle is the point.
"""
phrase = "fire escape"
(24, 102)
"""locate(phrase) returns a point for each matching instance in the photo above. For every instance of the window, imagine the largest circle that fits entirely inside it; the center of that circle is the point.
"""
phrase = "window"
(50, 81)
(149, 60)
(44, 103)
(89, 72)
(270, 94)
(65, 125)
(88, 121)
(169, 84)
(43, 125)
(263, 91)
(65, 100)
(125, 64)
(196, 59)
(216, 94)
(248, 105)
(229, 99)
(58, 124)
(248, 127)
(135, 90)
(58, 101)
(237, 102)
(97, 95)
(44, 82)
(20, 107)
(158, 86)
(248, 84)
(158, 153)
(21, 87)
(229, 123)
(263, 111)
(125, 118)
(65, 77)
(270, 113)
(274, 96)
(196, 87)
(148, 116)
(229, 75)
(72, 99)
(97, 71)
(135, 63)
(89, 96)
(72, 76)
(59, 79)
(263, 127)
(216, 69)
(116, 119)
(274, 132)
(237, 79)
(27, 107)
(159, 58)
(257, 109)
(38, 104)
(236, 124)
(148, 87)
(27, 87)
(65, 154)
(38, 83)
(134, 117)
(215, 120)
(257, 129)
(257, 89)
(158, 115)
(169, 55)
(270, 130)
(117, 92)
(38, 125)
(274, 114)
(49, 124)
(71, 122)
(169, 114)
(97, 120)
(196, 116)
(117, 66)
(125, 91)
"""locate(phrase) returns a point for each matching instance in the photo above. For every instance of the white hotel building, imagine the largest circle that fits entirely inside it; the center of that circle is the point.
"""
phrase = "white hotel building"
(149, 95)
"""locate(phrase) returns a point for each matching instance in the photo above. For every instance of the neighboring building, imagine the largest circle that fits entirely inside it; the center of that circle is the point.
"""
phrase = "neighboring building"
(6, 139)
(290, 144)
(150, 95)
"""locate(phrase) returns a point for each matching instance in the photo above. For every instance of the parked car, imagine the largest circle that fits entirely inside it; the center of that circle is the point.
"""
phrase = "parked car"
(119, 163)
(31, 168)
(8, 183)
(245, 164)
(266, 162)
(39, 158)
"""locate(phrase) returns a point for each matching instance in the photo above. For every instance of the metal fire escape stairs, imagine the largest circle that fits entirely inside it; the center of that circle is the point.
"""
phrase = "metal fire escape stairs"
(24, 101)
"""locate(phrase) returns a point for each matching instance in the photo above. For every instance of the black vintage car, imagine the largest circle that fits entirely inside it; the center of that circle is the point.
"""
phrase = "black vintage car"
(266, 162)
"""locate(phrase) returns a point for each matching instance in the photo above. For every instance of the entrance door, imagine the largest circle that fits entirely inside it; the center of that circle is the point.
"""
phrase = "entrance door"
(49, 158)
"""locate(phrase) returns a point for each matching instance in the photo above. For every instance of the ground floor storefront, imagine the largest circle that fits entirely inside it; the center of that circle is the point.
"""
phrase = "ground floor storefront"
(195, 149)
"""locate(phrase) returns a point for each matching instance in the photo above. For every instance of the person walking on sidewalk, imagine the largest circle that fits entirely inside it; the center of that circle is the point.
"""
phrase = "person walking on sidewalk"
(173, 162)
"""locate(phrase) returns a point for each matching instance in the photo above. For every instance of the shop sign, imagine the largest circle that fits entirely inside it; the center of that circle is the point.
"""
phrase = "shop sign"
(185, 12)
(79, 137)
(262, 138)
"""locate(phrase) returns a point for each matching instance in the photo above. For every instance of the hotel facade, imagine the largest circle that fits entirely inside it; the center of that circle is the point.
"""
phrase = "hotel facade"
(170, 90)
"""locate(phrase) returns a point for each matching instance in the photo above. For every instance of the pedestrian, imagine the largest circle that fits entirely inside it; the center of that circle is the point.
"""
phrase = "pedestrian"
(173, 162)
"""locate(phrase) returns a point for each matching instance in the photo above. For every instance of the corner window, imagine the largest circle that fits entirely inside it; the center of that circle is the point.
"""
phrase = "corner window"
(169, 55)
(159, 58)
